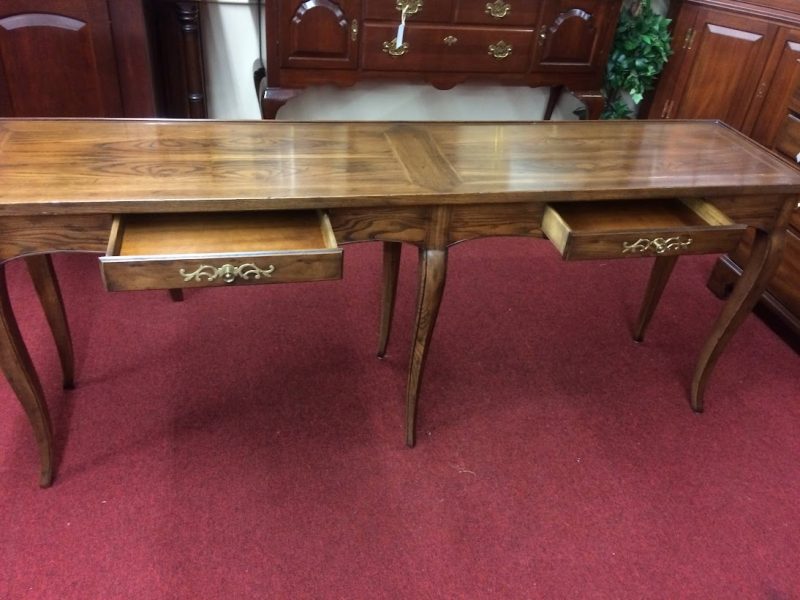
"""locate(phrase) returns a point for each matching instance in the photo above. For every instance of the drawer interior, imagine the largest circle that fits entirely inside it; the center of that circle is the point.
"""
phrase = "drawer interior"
(219, 233)
(634, 228)
(172, 251)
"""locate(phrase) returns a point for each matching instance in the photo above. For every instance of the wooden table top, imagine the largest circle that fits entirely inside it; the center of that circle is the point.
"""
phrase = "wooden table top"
(90, 166)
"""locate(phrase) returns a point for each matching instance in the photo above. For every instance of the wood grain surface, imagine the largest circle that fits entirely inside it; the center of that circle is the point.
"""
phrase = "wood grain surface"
(91, 166)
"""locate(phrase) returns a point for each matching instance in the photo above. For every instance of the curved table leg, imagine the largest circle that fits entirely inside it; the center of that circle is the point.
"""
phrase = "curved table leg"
(765, 256)
(432, 271)
(659, 276)
(18, 369)
(391, 268)
(44, 279)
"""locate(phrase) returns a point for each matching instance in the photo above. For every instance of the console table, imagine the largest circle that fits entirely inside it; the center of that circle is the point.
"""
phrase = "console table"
(188, 204)
(557, 43)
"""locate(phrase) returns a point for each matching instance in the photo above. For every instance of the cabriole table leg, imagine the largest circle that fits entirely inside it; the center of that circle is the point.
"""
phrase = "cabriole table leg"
(18, 369)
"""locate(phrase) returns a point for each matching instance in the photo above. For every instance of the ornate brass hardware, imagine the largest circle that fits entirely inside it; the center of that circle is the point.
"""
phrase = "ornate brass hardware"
(392, 49)
(409, 7)
(542, 34)
(500, 50)
(450, 40)
(228, 273)
(498, 9)
(656, 245)
(688, 40)
(354, 30)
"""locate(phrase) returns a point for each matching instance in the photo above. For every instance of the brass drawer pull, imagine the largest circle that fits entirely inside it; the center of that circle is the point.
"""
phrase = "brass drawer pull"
(656, 245)
(408, 7)
(228, 273)
(392, 49)
(450, 40)
(498, 9)
(500, 50)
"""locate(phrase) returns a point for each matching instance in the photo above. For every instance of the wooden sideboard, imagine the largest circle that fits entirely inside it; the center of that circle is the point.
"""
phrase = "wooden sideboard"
(176, 204)
(780, 304)
(557, 43)
(740, 62)
(100, 58)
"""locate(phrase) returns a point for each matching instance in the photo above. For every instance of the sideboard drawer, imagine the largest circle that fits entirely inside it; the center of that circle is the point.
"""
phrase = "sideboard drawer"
(453, 49)
(625, 229)
(168, 251)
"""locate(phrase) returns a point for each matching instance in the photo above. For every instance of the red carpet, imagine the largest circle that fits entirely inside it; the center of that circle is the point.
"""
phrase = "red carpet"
(246, 443)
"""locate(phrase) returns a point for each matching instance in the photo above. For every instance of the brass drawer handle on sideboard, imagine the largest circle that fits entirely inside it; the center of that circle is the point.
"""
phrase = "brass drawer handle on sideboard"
(498, 9)
(500, 50)
(227, 272)
(392, 49)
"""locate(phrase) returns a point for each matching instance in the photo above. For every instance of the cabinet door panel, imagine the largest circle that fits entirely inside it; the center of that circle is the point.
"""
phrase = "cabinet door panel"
(570, 34)
(781, 79)
(725, 57)
(57, 59)
(319, 34)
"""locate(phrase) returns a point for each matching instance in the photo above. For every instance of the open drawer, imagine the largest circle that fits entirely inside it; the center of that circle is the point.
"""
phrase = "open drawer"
(168, 251)
(627, 229)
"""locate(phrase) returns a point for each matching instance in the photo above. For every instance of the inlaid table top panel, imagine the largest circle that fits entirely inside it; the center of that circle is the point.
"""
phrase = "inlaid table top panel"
(83, 166)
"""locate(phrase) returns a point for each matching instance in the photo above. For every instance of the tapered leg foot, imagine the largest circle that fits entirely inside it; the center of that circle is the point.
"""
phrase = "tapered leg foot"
(391, 269)
(18, 369)
(44, 280)
(552, 100)
(765, 257)
(432, 271)
(659, 276)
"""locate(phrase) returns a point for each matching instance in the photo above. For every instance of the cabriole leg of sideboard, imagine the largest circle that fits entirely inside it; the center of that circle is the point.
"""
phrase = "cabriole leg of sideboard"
(432, 274)
(391, 268)
(44, 278)
(765, 257)
(659, 277)
(18, 369)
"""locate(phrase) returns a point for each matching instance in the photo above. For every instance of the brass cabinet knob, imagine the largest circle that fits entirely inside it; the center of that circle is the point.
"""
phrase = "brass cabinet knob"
(542, 34)
(450, 40)
(498, 9)
(500, 50)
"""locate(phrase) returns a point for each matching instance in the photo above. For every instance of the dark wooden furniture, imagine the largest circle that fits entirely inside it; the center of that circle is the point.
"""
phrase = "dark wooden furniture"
(444, 42)
(100, 58)
(181, 204)
(780, 304)
(740, 62)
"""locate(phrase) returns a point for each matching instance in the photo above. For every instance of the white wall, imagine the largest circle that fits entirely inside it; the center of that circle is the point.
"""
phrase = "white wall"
(230, 40)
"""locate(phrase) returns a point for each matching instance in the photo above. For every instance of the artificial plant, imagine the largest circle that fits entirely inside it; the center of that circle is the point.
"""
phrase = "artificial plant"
(642, 46)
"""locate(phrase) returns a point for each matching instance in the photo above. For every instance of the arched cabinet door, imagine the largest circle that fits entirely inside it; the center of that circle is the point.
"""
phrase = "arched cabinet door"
(57, 59)
(572, 32)
(320, 34)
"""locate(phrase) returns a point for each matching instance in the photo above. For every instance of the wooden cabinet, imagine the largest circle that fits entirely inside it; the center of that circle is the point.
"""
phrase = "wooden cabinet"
(780, 304)
(444, 42)
(740, 62)
(94, 58)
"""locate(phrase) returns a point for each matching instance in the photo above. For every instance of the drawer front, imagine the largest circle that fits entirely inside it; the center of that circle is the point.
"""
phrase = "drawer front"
(455, 49)
(603, 230)
(148, 252)
(498, 12)
(220, 270)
